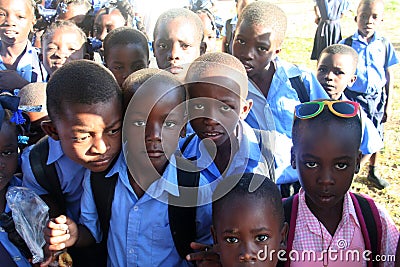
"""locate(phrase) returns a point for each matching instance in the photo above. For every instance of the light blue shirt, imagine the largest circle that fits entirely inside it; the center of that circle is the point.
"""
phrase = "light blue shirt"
(248, 159)
(29, 67)
(139, 233)
(371, 141)
(276, 112)
(371, 68)
(69, 173)
(14, 252)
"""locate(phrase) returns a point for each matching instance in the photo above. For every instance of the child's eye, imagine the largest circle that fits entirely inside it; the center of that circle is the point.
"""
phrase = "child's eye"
(81, 138)
(338, 72)
(118, 67)
(321, 69)
(185, 46)
(139, 123)
(114, 131)
(8, 153)
(231, 239)
(162, 45)
(311, 165)
(341, 166)
(225, 108)
(262, 49)
(240, 41)
(169, 124)
(262, 238)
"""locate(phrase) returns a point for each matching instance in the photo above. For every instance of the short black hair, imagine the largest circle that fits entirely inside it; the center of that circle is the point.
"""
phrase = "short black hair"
(325, 118)
(124, 36)
(267, 191)
(267, 15)
(80, 82)
(342, 50)
(188, 15)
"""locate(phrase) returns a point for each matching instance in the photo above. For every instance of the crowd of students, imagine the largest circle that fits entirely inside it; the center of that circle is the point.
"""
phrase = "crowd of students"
(211, 159)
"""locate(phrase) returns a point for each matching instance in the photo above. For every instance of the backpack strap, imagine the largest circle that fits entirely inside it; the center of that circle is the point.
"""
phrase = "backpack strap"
(298, 85)
(46, 175)
(290, 206)
(182, 219)
(103, 189)
(348, 41)
(264, 142)
(5, 257)
(370, 222)
(187, 141)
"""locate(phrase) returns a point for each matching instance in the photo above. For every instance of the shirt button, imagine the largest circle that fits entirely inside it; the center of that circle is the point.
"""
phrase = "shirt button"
(135, 208)
(131, 251)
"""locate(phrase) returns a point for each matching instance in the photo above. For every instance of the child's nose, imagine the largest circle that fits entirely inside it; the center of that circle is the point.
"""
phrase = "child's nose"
(153, 132)
(248, 253)
(325, 177)
(175, 51)
(99, 145)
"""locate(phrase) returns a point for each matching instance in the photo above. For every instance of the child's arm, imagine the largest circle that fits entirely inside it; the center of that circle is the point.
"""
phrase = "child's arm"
(317, 14)
(10, 80)
(388, 88)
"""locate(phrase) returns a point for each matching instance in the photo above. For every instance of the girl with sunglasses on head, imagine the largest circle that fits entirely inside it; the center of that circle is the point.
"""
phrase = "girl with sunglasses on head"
(325, 217)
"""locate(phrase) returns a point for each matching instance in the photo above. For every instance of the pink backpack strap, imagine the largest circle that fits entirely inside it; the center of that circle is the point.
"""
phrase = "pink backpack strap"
(291, 207)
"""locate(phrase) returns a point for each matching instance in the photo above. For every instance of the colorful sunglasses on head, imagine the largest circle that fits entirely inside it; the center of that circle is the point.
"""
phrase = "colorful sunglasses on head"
(344, 109)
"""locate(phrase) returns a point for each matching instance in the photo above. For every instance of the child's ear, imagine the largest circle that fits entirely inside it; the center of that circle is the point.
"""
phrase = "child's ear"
(203, 48)
(355, 18)
(154, 51)
(358, 162)
(183, 131)
(284, 234)
(247, 104)
(50, 129)
(352, 80)
(292, 158)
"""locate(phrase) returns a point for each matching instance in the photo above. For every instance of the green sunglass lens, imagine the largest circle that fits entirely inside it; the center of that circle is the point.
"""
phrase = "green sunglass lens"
(306, 110)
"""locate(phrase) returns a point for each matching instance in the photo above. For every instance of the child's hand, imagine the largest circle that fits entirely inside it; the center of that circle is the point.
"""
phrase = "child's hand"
(60, 233)
(206, 257)
(10, 80)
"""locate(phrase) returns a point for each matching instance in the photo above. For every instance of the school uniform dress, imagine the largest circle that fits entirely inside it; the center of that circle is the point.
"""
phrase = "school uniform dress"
(310, 234)
(276, 112)
(368, 89)
(371, 141)
(69, 172)
(12, 250)
(29, 67)
(139, 233)
(328, 30)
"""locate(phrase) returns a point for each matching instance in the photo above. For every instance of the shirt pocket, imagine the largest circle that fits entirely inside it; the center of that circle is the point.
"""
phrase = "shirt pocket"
(162, 244)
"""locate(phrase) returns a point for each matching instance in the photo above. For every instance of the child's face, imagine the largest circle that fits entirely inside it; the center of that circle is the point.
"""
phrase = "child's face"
(214, 111)
(326, 159)
(104, 23)
(243, 228)
(255, 46)
(16, 21)
(8, 153)
(153, 123)
(176, 46)
(90, 134)
(123, 60)
(210, 35)
(76, 13)
(335, 73)
(64, 46)
(369, 17)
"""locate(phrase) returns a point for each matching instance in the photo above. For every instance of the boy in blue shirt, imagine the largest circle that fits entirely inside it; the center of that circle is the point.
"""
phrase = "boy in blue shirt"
(375, 76)
(275, 86)
(224, 144)
(140, 231)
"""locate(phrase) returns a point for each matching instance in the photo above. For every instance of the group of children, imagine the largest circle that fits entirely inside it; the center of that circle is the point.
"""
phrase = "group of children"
(138, 164)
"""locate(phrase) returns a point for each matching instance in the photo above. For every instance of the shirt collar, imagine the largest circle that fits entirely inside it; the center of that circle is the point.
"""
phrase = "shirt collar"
(55, 151)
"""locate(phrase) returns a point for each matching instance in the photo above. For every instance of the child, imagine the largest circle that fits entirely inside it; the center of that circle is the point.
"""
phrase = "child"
(9, 136)
(140, 226)
(126, 50)
(85, 109)
(375, 76)
(178, 40)
(210, 29)
(62, 42)
(324, 212)
(33, 103)
(76, 11)
(336, 71)
(19, 61)
(228, 32)
(328, 14)
(248, 225)
(223, 144)
(275, 86)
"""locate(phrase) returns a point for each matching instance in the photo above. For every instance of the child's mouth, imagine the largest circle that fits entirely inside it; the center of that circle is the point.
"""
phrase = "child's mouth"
(155, 153)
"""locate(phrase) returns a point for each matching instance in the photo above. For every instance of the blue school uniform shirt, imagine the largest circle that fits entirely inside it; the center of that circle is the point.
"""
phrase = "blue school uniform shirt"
(275, 112)
(69, 173)
(248, 159)
(371, 141)
(371, 65)
(139, 233)
(14, 252)
(29, 67)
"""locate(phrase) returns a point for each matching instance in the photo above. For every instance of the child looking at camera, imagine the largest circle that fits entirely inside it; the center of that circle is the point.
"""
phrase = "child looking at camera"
(324, 212)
